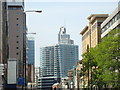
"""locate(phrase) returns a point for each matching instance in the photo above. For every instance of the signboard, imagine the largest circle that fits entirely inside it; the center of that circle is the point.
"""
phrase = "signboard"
(11, 78)
(21, 81)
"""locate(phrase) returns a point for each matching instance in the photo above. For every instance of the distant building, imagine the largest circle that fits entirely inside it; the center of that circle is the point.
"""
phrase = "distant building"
(58, 59)
(31, 51)
(91, 34)
(37, 75)
(46, 82)
(64, 38)
(31, 62)
(64, 84)
(111, 23)
(47, 60)
(78, 75)
(70, 79)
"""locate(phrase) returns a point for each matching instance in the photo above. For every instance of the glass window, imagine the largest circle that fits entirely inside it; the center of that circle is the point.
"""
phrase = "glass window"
(17, 42)
(116, 18)
(110, 22)
(17, 53)
(17, 30)
(99, 23)
(17, 18)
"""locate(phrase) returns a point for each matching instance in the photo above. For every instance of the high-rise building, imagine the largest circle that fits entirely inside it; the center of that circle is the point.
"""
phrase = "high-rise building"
(64, 38)
(17, 36)
(31, 61)
(31, 51)
(91, 34)
(112, 22)
(47, 60)
(56, 60)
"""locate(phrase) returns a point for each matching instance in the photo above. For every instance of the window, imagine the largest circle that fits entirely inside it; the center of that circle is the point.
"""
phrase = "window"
(17, 24)
(17, 30)
(99, 23)
(14, 8)
(17, 36)
(17, 42)
(17, 53)
(17, 13)
(17, 18)
(17, 47)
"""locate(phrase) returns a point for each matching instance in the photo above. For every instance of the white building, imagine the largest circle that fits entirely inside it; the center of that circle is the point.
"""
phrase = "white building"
(111, 23)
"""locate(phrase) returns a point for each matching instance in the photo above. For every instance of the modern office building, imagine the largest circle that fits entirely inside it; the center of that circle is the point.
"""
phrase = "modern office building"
(47, 64)
(91, 34)
(111, 23)
(31, 62)
(64, 38)
(46, 82)
(17, 37)
(31, 50)
(47, 60)
(56, 60)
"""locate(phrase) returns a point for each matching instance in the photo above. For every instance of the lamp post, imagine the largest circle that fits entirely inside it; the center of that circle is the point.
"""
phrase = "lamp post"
(24, 48)
(38, 11)
(24, 56)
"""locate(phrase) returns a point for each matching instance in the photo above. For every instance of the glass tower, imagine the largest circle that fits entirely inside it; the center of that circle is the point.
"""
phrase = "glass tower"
(31, 51)
(56, 60)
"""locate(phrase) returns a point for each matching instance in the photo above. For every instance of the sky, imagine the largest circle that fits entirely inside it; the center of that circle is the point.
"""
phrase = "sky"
(72, 15)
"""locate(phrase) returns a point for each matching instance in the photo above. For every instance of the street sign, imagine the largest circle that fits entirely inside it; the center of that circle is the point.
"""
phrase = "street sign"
(21, 81)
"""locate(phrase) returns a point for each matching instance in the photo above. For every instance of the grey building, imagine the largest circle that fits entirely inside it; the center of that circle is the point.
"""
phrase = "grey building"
(3, 43)
(111, 23)
(17, 38)
(31, 62)
(3, 32)
(56, 60)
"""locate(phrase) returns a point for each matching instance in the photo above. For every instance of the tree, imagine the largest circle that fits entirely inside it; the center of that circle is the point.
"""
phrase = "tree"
(102, 63)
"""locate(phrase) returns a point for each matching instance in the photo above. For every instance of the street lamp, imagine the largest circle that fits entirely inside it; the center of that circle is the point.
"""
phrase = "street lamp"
(38, 11)
(24, 56)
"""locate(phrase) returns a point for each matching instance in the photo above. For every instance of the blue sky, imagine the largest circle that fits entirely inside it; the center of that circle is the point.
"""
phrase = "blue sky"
(56, 14)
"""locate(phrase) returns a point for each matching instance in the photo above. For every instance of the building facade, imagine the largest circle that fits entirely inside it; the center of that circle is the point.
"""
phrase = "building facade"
(3, 33)
(31, 51)
(46, 82)
(91, 34)
(58, 59)
(17, 37)
(37, 75)
(111, 23)
(3, 44)
(31, 62)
